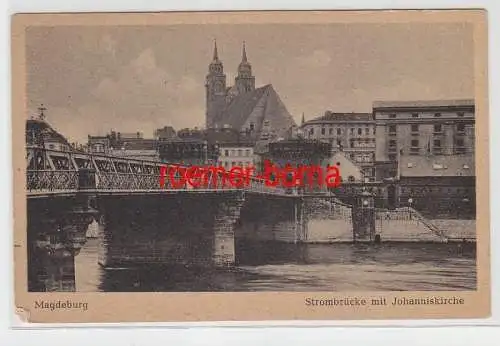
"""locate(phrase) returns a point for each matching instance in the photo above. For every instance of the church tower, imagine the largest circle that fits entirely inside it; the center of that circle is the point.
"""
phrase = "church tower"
(244, 81)
(215, 86)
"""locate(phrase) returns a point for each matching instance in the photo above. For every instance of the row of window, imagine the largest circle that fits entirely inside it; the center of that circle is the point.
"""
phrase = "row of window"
(438, 128)
(411, 191)
(436, 147)
(359, 131)
(228, 164)
(237, 152)
(417, 115)
(459, 142)
(424, 190)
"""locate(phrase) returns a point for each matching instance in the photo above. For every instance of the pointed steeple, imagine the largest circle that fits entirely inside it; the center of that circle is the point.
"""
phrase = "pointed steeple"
(303, 120)
(244, 55)
(244, 81)
(216, 54)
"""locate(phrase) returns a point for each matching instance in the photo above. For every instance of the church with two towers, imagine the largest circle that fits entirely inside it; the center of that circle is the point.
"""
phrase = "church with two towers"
(242, 106)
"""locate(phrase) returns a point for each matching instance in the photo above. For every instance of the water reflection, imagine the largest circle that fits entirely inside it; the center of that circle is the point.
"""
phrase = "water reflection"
(298, 267)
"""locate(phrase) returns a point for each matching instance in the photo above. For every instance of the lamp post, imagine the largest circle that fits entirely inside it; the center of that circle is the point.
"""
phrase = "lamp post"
(205, 152)
(410, 202)
(364, 218)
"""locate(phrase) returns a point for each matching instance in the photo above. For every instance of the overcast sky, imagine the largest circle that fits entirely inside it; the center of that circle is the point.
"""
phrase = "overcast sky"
(94, 79)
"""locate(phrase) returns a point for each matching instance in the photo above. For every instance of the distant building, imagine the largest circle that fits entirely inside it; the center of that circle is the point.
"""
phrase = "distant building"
(164, 133)
(351, 133)
(40, 134)
(243, 107)
(236, 155)
(206, 147)
(422, 128)
(188, 151)
(438, 185)
(130, 145)
(99, 144)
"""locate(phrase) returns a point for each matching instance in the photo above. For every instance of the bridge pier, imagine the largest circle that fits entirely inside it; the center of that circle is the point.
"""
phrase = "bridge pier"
(225, 221)
(56, 233)
(53, 243)
(182, 229)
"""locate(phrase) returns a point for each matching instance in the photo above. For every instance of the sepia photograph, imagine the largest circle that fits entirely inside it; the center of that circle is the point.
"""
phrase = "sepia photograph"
(204, 155)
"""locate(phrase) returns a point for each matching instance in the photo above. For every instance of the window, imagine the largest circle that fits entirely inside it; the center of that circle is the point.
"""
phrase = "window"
(392, 157)
(351, 178)
(414, 115)
(352, 130)
(323, 130)
(460, 146)
(437, 115)
(374, 130)
(226, 152)
(438, 128)
(461, 128)
(392, 130)
(98, 147)
(392, 116)
(367, 131)
(311, 131)
(239, 152)
(247, 152)
(330, 131)
(339, 143)
(339, 132)
(392, 143)
(360, 131)
(460, 114)
(414, 142)
(437, 146)
(414, 129)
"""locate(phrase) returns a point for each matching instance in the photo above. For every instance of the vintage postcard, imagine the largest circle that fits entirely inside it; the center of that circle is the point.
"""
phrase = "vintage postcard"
(251, 166)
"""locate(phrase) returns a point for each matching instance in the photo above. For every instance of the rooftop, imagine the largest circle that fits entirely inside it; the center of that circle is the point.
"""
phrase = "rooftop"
(39, 131)
(342, 117)
(424, 103)
(437, 166)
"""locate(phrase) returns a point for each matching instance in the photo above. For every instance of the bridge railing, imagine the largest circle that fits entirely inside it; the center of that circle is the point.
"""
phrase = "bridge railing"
(69, 180)
(49, 180)
(259, 186)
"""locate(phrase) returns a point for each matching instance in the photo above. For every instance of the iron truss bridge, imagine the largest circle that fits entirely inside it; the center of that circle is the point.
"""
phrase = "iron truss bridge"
(51, 172)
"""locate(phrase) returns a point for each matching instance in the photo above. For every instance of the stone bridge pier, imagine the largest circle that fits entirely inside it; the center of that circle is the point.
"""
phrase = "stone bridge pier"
(180, 228)
(56, 233)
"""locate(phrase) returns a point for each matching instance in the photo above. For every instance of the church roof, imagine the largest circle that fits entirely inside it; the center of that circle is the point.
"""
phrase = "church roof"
(258, 106)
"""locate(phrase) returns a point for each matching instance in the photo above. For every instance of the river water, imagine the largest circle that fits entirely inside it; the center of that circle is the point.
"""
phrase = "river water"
(301, 267)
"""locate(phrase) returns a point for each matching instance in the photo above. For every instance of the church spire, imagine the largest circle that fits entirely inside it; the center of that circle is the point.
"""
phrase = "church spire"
(244, 55)
(245, 81)
(303, 120)
(216, 54)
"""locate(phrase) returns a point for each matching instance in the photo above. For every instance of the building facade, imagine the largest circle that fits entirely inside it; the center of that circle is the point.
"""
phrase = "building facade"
(439, 186)
(351, 133)
(236, 155)
(130, 145)
(422, 128)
